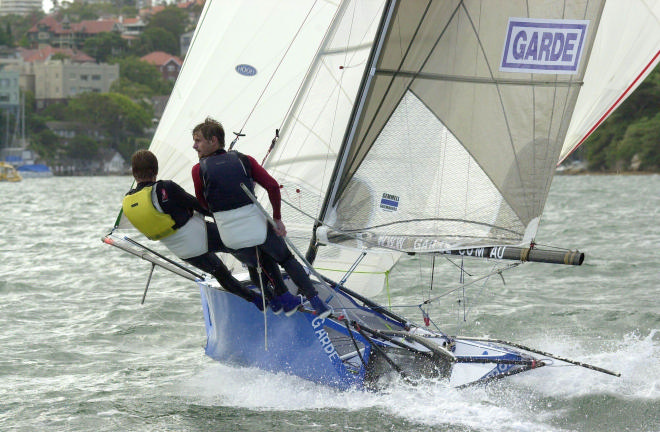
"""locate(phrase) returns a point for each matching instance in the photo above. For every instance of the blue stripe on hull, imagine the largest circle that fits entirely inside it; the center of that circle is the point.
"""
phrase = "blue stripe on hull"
(235, 334)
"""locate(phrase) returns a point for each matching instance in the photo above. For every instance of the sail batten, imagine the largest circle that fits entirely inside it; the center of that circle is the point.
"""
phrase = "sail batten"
(475, 80)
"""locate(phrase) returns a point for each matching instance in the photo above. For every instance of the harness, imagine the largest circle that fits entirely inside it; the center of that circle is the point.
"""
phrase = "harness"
(140, 210)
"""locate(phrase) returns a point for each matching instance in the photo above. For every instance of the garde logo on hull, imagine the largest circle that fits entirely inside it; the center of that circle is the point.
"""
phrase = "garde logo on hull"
(543, 46)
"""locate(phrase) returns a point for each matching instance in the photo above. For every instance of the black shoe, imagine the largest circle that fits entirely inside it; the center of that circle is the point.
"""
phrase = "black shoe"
(258, 301)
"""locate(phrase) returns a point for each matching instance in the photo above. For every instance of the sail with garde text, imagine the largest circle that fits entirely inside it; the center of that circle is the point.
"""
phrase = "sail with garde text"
(462, 122)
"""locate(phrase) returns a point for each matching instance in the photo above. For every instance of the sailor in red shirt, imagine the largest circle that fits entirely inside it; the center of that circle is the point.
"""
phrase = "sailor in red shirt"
(242, 226)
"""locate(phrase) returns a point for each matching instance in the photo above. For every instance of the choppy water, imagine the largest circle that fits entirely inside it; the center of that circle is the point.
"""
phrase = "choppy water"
(79, 353)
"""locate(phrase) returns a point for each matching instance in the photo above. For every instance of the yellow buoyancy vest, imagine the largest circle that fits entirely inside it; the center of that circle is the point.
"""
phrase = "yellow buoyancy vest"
(139, 209)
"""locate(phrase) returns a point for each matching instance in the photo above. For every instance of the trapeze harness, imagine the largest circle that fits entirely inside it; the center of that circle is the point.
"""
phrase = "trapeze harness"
(144, 212)
(240, 222)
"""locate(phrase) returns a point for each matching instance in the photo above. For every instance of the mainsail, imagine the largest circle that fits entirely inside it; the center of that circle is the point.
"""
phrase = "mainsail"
(439, 132)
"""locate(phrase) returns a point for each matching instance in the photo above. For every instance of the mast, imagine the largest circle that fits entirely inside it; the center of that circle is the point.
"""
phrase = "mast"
(352, 124)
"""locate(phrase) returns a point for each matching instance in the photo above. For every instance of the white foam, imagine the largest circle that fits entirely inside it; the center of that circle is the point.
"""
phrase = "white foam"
(432, 403)
(636, 358)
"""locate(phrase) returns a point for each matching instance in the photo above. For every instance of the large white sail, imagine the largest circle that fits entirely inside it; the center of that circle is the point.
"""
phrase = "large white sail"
(247, 60)
(452, 145)
(259, 66)
(463, 120)
(624, 53)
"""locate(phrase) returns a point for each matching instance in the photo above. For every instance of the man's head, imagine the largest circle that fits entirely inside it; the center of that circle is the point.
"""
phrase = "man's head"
(144, 165)
(208, 137)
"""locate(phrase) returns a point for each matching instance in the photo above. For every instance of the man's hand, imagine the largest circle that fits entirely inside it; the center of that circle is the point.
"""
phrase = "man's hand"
(280, 229)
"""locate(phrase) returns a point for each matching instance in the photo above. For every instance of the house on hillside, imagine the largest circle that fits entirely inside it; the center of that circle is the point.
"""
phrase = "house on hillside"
(65, 34)
(169, 65)
(54, 74)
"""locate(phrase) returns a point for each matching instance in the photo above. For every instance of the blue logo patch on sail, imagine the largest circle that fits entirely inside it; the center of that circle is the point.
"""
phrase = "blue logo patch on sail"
(543, 46)
(246, 70)
(389, 202)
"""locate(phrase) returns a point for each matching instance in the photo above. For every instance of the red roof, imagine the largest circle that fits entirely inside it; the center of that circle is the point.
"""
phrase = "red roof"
(160, 58)
(87, 26)
(45, 53)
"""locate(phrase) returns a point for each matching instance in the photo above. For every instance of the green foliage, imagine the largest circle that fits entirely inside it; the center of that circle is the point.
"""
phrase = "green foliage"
(129, 11)
(111, 112)
(139, 79)
(57, 111)
(632, 130)
(171, 19)
(156, 39)
(132, 89)
(129, 146)
(16, 26)
(45, 143)
(79, 11)
(82, 147)
(642, 138)
(6, 37)
(60, 56)
(105, 45)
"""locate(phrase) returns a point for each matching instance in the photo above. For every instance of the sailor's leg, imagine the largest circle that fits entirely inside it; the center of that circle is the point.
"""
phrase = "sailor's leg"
(248, 257)
(276, 247)
(210, 263)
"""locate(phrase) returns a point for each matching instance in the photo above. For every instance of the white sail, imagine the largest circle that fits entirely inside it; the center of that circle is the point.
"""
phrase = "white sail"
(620, 60)
(448, 148)
(246, 61)
(456, 147)
(260, 66)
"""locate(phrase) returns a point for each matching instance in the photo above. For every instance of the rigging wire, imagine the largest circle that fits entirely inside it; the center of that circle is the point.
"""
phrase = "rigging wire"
(270, 79)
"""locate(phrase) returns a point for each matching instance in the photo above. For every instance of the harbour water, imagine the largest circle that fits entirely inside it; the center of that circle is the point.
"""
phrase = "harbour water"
(79, 353)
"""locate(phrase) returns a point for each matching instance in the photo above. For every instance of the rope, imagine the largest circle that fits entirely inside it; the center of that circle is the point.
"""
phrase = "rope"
(270, 79)
(263, 299)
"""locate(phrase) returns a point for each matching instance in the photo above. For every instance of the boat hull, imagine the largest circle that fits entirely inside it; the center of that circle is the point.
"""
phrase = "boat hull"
(238, 333)
(327, 351)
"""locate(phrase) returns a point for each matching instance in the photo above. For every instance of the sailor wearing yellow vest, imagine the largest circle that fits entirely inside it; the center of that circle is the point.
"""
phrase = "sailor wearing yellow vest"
(162, 210)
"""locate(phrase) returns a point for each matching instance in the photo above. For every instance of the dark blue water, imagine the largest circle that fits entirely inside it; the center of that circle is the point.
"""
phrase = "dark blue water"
(78, 352)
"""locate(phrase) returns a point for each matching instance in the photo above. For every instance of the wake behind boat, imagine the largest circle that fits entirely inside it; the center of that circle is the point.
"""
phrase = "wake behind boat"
(429, 128)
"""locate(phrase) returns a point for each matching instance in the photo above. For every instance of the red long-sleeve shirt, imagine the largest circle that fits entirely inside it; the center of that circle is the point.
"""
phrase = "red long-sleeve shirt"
(259, 175)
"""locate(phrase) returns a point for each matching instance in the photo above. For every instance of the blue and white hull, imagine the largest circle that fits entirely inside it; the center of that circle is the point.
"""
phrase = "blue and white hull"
(358, 347)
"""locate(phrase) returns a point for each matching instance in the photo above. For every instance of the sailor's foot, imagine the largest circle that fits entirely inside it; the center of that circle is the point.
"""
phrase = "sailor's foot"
(258, 301)
(276, 305)
(290, 303)
(322, 310)
(287, 303)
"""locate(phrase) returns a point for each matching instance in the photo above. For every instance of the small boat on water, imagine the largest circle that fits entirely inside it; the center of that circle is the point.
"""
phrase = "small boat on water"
(8, 173)
(35, 171)
(397, 128)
